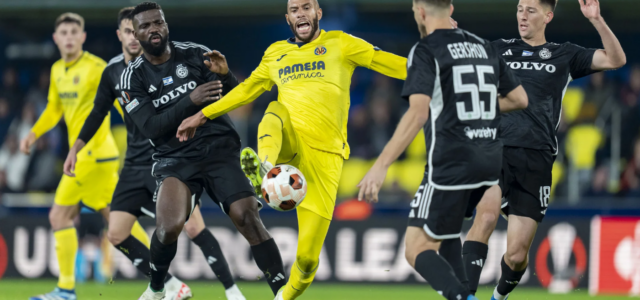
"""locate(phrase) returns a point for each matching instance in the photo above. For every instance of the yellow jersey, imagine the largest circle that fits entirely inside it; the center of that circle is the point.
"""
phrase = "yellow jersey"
(72, 90)
(314, 81)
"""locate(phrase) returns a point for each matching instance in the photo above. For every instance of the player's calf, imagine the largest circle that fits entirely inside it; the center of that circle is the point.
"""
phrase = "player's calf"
(244, 214)
(421, 253)
(520, 234)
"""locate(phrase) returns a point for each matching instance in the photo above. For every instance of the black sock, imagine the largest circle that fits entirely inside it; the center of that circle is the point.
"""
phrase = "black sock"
(509, 279)
(439, 274)
(451, 251)
(474, 255)
(268, 259)
(216, 260)
(161, 257)
(138, 254)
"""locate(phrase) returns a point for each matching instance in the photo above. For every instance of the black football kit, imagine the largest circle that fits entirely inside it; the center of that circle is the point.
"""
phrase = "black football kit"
(157, 99)
(463, 74)
(529, 135)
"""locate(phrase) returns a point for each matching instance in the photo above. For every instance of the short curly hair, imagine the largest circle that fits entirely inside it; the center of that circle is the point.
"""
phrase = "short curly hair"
(144, 6)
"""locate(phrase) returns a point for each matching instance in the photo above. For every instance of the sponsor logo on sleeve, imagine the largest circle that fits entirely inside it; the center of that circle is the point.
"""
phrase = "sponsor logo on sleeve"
(133, 104)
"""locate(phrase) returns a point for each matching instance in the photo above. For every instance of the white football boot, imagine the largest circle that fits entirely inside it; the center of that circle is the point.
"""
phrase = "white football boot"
(177, 290)
(234, 293)
(151, 295)
(280, 296)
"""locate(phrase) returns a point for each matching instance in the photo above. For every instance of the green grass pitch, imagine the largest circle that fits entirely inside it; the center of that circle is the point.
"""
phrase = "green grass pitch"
(131, 290)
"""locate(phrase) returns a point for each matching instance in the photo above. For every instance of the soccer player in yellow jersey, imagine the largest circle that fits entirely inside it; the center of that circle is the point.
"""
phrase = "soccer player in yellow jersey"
(74, 82)
(307, 126)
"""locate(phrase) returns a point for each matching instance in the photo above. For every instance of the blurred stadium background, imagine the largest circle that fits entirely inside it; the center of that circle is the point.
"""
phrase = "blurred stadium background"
(590, 239)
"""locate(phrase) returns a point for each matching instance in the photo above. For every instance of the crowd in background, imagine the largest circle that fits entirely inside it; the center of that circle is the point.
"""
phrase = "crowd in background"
(586, 132)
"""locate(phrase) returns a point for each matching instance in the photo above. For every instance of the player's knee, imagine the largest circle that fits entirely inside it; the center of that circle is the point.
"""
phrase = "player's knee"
(115, 237)
(278, 109)
(169, 231)
(410, 256)
(246, 214)
(59, 219)
(192, 229)
(517, 257)
(307, 263)
(488, 220)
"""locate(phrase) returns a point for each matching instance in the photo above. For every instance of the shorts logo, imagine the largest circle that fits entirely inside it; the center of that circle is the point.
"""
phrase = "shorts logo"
(132, 105)
(320, 50)
(182, 71)
(167, 80)
(545, 53)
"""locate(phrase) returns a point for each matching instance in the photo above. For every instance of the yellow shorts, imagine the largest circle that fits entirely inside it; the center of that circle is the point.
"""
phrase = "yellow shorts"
(93, 185)
(321, 169)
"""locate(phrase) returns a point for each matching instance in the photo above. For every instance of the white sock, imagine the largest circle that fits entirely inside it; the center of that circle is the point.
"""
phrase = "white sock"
(497, 295)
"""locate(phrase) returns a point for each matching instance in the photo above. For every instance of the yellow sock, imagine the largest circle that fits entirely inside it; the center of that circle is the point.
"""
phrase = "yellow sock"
(270, 138)
(312, 232)
(138, 232)
(66, 249)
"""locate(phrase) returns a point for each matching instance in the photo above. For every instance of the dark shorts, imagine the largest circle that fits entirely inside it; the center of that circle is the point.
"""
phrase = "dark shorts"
(526, 182)
(441, 213)
(220, 175)
(134, 192)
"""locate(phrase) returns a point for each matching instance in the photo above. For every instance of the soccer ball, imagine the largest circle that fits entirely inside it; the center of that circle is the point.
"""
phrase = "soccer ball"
(284, 187)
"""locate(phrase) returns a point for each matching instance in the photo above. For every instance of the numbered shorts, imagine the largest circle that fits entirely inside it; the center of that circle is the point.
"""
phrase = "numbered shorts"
(526, 182)
(220, 175)
(441, 213)
(93, 185)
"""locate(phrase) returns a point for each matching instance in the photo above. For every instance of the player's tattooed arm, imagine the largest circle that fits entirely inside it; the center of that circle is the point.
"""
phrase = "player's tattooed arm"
(408, 128)
(612, 56)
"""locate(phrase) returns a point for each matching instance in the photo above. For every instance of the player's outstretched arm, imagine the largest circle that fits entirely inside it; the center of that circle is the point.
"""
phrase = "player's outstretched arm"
(515, 100)
(360, 53)
(245, 93)
(612, 56)
(408, 128)
(389, 64)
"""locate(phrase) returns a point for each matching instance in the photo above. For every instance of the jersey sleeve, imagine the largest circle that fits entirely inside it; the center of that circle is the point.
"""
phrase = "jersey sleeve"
(507, 79)
(421, 72)
(52, 113)
(245, 93)
(581, 61)
(101, 107)
(140, 107)
(357, 51)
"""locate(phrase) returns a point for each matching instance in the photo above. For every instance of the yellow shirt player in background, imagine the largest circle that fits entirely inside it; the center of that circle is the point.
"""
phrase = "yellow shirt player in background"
(307, 126)
(74, 83)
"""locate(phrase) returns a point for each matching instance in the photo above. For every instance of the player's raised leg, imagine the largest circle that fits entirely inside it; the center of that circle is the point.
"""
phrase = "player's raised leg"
(277, 143)
(422, 254)
(173, 207)
(210, 247)
(514, 263)
(475, 248)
